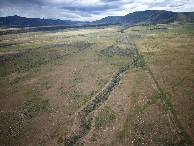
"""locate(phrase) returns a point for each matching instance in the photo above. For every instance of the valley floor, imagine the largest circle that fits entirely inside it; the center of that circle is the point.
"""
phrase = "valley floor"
(98, 86)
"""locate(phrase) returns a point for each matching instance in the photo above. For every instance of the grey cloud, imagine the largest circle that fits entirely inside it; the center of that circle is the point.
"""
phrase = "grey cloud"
(90, 9)
(77, 10)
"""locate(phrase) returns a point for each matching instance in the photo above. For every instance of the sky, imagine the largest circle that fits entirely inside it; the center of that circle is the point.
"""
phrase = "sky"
(87, 10)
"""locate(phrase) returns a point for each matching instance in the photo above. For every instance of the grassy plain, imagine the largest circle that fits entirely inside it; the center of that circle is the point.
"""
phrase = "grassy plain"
(47, 78)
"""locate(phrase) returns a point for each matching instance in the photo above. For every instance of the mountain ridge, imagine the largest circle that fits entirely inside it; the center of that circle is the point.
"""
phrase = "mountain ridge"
(149, 17)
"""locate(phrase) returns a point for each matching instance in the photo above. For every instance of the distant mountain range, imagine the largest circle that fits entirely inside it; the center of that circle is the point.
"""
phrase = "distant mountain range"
(18, 22)
(148, 17)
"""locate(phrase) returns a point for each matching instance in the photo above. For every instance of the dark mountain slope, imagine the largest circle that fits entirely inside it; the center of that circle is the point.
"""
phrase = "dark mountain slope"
(110, 19)
(149, 17)
(186, 16)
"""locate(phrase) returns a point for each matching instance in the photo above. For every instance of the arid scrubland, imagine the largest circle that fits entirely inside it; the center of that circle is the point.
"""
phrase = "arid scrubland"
(98, 86)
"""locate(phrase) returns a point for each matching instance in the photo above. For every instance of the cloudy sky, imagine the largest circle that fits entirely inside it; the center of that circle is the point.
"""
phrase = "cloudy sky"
(88, 10)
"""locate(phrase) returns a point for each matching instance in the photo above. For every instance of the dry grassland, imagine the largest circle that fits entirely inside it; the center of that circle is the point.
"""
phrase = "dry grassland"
(133, 87)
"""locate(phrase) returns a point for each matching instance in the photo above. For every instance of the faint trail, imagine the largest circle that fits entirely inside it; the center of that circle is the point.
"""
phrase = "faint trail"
(83, 120)
(168, 106)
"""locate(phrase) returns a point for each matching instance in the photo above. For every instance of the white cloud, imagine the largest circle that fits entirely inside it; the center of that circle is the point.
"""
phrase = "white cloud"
(150, 1)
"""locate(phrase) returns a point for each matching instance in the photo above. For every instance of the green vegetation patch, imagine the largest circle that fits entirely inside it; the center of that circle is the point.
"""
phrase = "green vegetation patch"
(87, 98)
(19, 119)
(30, 108)
(105, 117)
